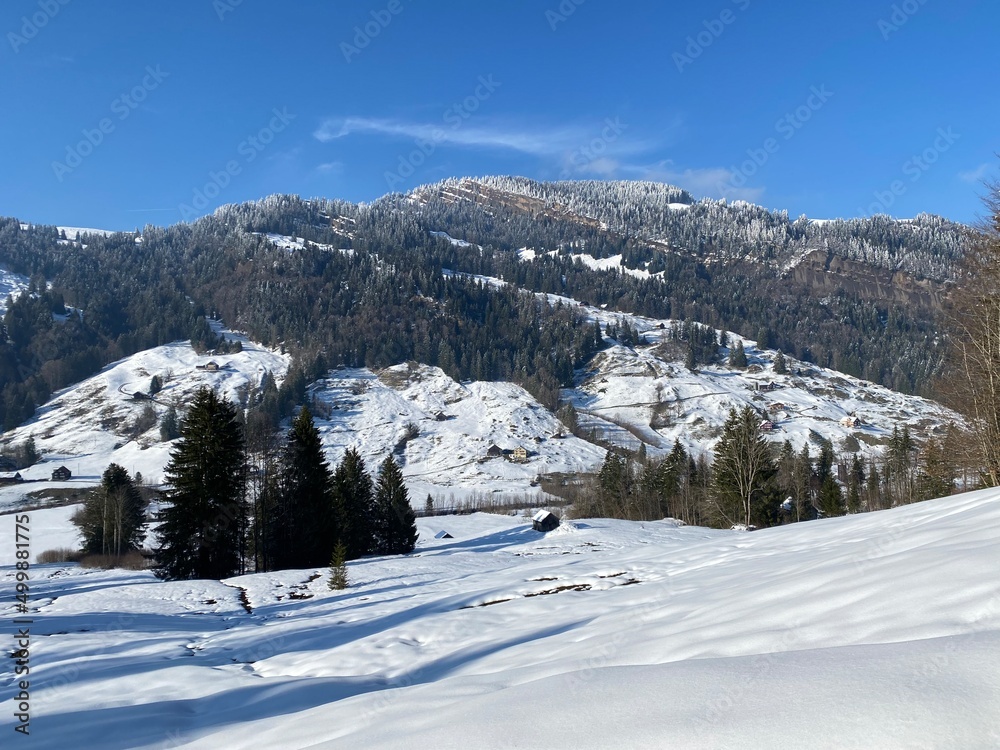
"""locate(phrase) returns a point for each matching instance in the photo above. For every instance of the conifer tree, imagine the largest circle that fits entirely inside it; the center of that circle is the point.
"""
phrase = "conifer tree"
(201, 535)
(302, 529)
(354, 505)
(737, 356)
(831, 498)
(780, 367)
(743, 471)
(395, 525)
(338, 568)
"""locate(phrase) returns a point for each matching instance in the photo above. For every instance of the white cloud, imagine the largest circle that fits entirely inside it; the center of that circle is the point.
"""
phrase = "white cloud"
(976, 175)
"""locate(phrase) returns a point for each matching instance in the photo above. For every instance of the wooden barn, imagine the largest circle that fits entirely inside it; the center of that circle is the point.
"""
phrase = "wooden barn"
(545, 521)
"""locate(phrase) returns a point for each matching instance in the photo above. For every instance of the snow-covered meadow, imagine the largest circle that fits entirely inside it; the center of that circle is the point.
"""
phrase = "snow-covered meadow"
(873, 631)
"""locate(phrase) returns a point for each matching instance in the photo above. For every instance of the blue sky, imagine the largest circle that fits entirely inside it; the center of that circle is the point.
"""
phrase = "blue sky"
(145, 112)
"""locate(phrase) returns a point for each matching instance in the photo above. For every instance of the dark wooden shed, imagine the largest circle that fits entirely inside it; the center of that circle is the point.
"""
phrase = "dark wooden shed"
(545, 521)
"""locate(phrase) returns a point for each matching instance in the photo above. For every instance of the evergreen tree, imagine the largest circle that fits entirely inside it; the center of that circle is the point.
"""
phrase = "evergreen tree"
(202, 529)
(302, 529)
(338, 568)
(169, 428)
(737, 356)
(354, 505)
(780, 367)
(744, 471)
(831, 498)
(395, 528)
(112, 517)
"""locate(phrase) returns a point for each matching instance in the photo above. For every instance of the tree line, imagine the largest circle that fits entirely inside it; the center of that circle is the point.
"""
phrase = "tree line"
(229, 512)
(753, 482)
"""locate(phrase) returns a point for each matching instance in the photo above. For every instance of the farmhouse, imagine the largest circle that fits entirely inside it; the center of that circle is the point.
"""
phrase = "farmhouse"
(211, 366)
(851, 421)
(766, 426)
(494, 451)
(519, 455)
(61, 474)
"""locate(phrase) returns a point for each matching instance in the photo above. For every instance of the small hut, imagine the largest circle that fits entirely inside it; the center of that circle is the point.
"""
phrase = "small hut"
(544, 521)
(443, 535)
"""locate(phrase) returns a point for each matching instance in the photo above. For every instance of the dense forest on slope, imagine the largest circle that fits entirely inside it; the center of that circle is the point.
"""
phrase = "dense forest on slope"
(368, 284)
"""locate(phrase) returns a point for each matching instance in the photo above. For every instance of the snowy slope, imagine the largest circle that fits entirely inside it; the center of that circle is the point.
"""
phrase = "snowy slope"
(11, 284)
(874, 631)
(90, 424)
(662, 401)
(455, 424)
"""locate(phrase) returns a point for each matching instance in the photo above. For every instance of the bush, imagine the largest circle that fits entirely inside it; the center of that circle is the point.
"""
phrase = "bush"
(59, 555)
(129, 561)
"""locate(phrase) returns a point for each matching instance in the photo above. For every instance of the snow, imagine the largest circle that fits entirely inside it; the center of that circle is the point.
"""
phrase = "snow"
(287, 242)
(11, 284)
(879, 630)
(455, 425)
(89, 425)
(453, 241)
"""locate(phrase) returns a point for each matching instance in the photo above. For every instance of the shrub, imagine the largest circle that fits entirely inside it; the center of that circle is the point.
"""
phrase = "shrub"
(59, 555)
(129, 561)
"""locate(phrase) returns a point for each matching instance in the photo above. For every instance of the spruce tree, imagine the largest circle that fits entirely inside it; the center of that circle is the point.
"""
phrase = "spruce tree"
(112, 517)
(395, 527)
(743, 472)
(201, 535)
(780, 367)
(338, 568)
(831, 498)
(354, 505)
(737, 356)
(302, 529)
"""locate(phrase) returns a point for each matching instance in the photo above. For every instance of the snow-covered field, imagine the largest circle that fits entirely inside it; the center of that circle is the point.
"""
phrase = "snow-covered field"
(873, 631)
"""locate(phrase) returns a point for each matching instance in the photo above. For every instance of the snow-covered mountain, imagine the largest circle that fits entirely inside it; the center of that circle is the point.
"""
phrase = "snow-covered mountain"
(872, 631)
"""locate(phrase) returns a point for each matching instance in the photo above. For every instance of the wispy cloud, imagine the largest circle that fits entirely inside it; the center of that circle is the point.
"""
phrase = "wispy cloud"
(331, 167)
(604, 150)
(977, 175)
(541, 142)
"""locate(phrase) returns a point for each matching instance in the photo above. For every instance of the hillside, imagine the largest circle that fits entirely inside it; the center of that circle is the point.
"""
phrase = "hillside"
(441, 430)
(878, 630)
(97, 421)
